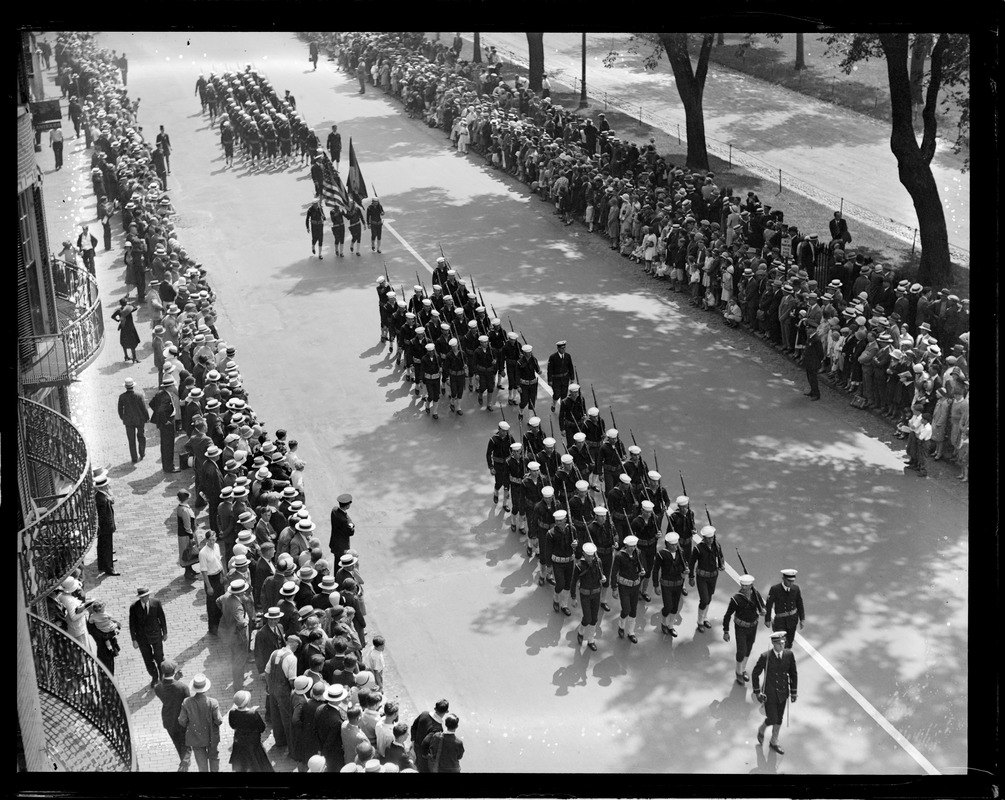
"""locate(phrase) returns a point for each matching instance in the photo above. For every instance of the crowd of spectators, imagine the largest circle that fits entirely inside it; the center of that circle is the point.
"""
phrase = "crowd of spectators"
(892, 345)
(270, 592)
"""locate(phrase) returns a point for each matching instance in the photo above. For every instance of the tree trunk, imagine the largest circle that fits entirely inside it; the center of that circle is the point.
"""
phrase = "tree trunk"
(477, 57)
(720, 39)
(914, 160)
(920, 49)
(691, 87)
(800, 52)
(535, 69)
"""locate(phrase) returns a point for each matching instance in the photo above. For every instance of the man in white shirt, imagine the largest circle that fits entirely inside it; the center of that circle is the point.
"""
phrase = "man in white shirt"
(211, 567)
(56, 143)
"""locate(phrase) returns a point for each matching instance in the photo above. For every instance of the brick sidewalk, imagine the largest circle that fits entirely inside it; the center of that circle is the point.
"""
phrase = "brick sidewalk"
(145, 541)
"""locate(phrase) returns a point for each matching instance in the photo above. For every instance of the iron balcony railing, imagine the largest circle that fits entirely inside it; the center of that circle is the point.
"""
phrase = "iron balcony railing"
(53, 359)
(67, 670)
(54, 543)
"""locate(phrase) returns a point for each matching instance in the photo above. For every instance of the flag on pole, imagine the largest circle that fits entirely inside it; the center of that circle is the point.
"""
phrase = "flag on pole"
(355, 179)
(332, 189)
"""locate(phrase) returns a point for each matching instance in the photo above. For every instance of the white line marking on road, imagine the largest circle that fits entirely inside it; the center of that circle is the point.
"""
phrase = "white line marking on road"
(856, 695)
(541, 385)
(827, 667)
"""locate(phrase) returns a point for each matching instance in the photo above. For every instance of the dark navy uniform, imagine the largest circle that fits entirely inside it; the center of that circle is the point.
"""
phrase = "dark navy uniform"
(705, 563)
(747, 612)
(562, 549)
(527, 371)
(669, 573)
(560, 372)
(588, 577)
(629, 567)
(788, 610)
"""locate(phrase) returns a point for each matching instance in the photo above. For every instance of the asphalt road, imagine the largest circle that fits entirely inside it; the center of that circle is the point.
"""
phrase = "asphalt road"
(882, 554)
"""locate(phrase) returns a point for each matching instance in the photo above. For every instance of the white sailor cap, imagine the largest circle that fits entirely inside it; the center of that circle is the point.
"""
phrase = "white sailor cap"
(600, 511)
(437, 287)
(418, 289)
(480, 310)
(582, 486)
(683, 500)
(381, 279)
(441, 260)
(573, 387)
(589, 549)
(654, 475)
(451, 272)
(593, 411)
(452, 342)
(471, 323)
(561, 343)
(503, 425)
(483, 339)
(534, 422)
(778, 636)
(548, 491)
(426, 301)
(496, 321)
(566, 459)
(409, 315)
(790, 573)
(560, 515)
(631, 541)
(634, 450)
(648, 505)
(708, 531)
(510, 335)
(672, 538)
(533, 466)
(612, 433)
(624, 478)
(746, 580)
(430, 346)
(527, 348)
(549, 442)
(579, 436)
(516, 446)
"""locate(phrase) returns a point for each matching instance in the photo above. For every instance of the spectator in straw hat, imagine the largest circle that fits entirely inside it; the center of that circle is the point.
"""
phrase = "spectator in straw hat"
(200, 717)
(234, 626)
(134, 415)
(148, 631)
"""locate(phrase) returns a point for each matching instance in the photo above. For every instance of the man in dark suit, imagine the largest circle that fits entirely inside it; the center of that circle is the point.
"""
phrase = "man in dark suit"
(172, 693)
(813, 357)
(422, 726)
(105, 505)
(133, 412)
(780, 681)
(342, 526)
(148, 630)
(162, 407)
(839, 228)
(786, 600)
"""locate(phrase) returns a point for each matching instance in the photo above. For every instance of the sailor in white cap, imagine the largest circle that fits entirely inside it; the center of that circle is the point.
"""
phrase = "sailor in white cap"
(562, 545)
(645, 527)
(626, 574)
(581, 509)
(571, 414)
(601, 533)
(528, 371)
(430, 368)
(636, 468)
(620, 502)
(485, 366)
(588, 576)
(560, 373)
(705, 563)
(610, 458)
(669, 573)
(682, 523)
(544, 515)
(593, 428)
(496, 454)
(655, 492)
(455, 371)
(748, 605)
(546, 456)
(417, 351)
(581, 458)
(516, 469)
(781, 680)
(510, 357)
(786, 600)
(533, 442)
(530, 496)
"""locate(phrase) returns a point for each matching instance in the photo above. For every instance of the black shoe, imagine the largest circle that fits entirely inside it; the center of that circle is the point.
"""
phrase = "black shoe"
(579, 637)
(664, 628)
(552, 408)
(633, 638)
(701, 629)
(513, 528)
(707, 624)
(592, 646)
(555, 605)
(551, 580)
(171, 469)
(621, 631)
(566, 611)
(436, 416)
(506, 507)
(760, 737)
(683, 591)
(495, 497)
(776, 747)
(673, 633)
(605, 606)
(746, 677)
(645, 597)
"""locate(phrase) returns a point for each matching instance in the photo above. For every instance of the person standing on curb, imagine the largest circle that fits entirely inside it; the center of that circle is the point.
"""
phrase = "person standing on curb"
(172, 694)
(200, 717)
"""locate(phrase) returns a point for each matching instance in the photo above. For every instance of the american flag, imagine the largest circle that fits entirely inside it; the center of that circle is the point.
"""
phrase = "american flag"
(332, 189)
(356, 183)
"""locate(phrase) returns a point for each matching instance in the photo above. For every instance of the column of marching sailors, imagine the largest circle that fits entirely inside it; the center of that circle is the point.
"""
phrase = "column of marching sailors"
(586, 551)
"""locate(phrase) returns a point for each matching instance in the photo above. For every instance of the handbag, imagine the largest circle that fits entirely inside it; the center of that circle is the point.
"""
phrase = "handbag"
(191, 554)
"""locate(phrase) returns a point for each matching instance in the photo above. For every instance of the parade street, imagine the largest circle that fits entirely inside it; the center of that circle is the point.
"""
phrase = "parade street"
(882, 553)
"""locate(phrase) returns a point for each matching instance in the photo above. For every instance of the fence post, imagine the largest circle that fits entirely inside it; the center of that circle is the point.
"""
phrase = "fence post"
(678, 133)
(914, 242)
(779, 181)
(640, 115)
(605, 101)
(842, 206)
(731, 155)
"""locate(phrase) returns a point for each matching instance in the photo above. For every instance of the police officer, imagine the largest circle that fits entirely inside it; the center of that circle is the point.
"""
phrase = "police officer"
(527, 371)
(495, 456)
(748, 605)
(627, 575)
(669, 572)
(562, 550)
(786, 599)
(560, 372)
(430, 367)
(705, 563)
(315, 223)
(590, 579)
(571, 413)
(603, 535)
(453, 365)
(610, 459)
(516, 467)
(485, 364)
(544, 516)
(644, 528)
